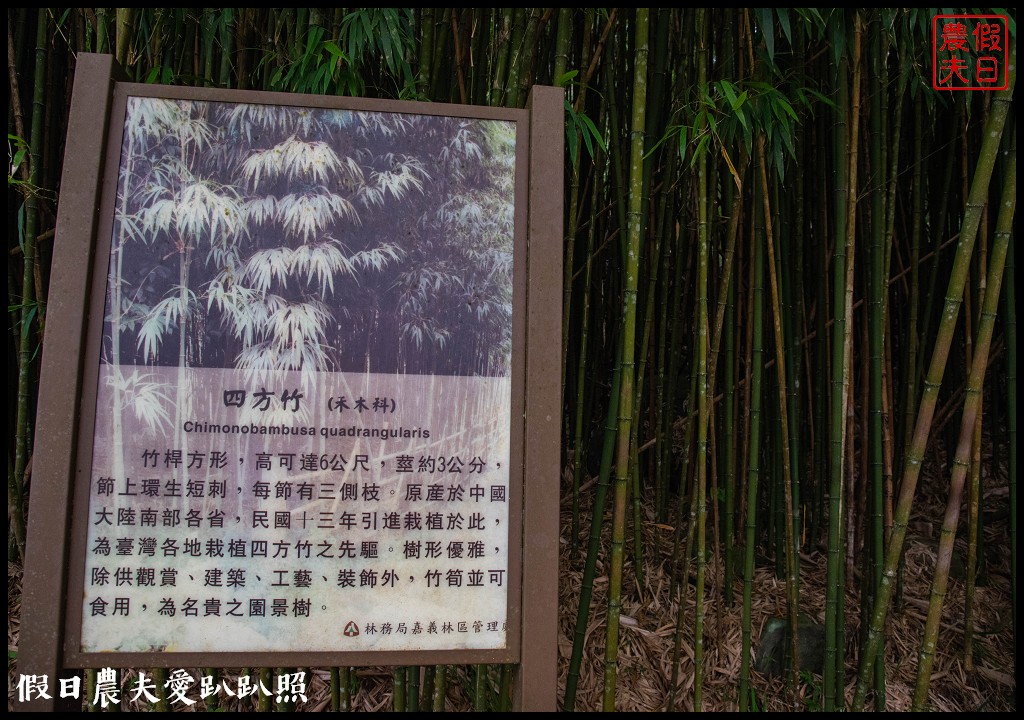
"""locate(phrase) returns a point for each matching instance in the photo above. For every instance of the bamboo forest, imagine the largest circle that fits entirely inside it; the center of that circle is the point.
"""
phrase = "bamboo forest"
(788, 351)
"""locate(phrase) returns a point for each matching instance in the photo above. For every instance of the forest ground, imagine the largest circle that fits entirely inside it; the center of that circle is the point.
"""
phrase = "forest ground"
(647, 636)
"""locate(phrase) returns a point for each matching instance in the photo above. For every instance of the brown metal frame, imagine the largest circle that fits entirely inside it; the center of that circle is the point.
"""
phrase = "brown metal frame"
(60, 383)
(535, 683)
(51, 628)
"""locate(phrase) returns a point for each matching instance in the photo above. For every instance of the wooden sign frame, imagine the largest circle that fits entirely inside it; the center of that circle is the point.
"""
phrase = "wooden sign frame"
(54, 567)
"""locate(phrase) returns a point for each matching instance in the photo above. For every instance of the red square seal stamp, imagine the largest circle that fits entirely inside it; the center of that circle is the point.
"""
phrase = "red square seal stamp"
(969, 52)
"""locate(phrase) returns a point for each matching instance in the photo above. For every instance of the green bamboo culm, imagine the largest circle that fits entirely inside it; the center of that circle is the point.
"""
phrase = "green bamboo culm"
(567, 278)
(791, 245)
(849, 404)
(266, 678)
(398, 689)
(703, 409)
(579, 455)
(792, 587)
(594, 544)
(480, 688)
(729, 453)
(227, 42)
(244, 672)
(426, 51)
(972, 406)
(991, 136)
(975, 491)
(22, 432)
(634, 438)
(208, 30)
(628, 348)
(529, 54)
(336, 689)
(504, 32)
(413, 689)
(725, 315)
(505, 688)
(124, 18)
(212, 702)
(662, 449)
(89, 691)
(845, 194)
(525, 19)
(1011, 423)
(562, 38)
(283, 703)
(754, 455)
(877, 287)
(160, 680)
(579, 451)
(687, 505)
(679, 583)
(821, 390)
(940, 220)
(440, 687)
(671, 329)
(115, 705)
(646, 309)
(427, 689)
(102, 27)
(916, 231)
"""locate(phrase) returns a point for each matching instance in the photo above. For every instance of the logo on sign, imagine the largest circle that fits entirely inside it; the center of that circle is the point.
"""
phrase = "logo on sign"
(969, 52)
(351, 630)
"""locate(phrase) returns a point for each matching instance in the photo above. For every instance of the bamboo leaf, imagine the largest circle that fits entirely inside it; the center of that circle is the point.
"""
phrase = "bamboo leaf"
(786, 133)
(730, 93)
(818, 96)
(671, 131)
(26, 321)
(813, 20)
(332, 47)
(1011, 21)
(701, 148)
(741, 115)
(839, 43)
(764, 16)
(18, 157)
(386, 50)
(783, 14)
(787, 108)
(592, 131)
(364, 17)
(587, 141)
(780, 163)
(391, 39)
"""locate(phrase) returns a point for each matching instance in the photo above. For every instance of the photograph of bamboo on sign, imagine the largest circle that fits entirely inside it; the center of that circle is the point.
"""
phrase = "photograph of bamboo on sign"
(301, 436)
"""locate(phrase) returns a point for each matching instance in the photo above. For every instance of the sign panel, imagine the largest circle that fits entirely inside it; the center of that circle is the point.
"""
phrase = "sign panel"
(284, 417)
(303, 412)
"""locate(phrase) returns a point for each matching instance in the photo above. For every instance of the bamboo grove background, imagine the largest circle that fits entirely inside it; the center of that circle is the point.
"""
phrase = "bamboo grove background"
(788, 284)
